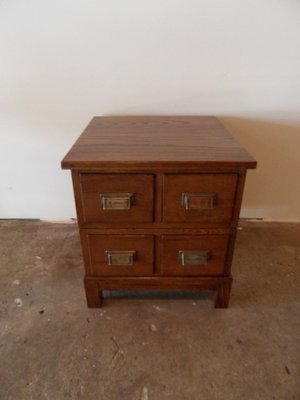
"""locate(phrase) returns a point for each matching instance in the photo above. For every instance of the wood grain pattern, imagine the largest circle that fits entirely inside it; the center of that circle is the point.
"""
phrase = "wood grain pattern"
(220, 286)
(92, 185)
(158, 159)
(155, 283)
(159, 229)
(159, 181)
(156, 142)
(238, 197)
(224, 185)
(222, 294)
(99, 244)
(93, 293)
(77, 197)
(172, 244)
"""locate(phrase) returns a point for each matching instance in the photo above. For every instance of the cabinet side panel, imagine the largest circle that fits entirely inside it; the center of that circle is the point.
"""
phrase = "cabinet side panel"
(238, 197)
(229, 255)
(158, 197)
(235, 219)
(78, 196)
(86, 252)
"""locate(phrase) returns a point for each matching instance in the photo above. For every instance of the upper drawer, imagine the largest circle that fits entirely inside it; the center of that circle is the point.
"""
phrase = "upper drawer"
(117, 198)
(205, 198)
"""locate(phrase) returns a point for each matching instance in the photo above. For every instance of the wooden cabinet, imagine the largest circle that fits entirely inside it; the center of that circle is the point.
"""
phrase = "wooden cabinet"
(158, 201)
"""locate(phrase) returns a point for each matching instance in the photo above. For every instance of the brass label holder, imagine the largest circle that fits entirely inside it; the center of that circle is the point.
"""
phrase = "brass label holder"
(199, 201)
(117, 201)
(120, 257)
(194, 257)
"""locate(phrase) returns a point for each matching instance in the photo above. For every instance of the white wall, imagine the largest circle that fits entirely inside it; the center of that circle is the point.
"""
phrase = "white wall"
(64, 61)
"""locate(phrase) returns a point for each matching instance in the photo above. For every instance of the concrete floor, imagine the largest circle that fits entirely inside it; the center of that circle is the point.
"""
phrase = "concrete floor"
(53, 347)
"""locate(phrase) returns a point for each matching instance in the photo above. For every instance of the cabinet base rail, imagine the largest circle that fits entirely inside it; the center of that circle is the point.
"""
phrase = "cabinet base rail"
(221, 286)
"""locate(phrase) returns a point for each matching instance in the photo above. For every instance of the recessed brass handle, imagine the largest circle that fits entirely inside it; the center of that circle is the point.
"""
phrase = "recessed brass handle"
(120, 257)
(117, 201)
(199, 201)
(194, 257)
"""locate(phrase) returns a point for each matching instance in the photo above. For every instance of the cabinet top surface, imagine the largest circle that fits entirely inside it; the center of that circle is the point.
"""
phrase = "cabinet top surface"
(109, 142)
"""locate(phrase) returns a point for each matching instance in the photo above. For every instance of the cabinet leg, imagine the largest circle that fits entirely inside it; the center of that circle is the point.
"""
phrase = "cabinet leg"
(93, 294)
(223, 292)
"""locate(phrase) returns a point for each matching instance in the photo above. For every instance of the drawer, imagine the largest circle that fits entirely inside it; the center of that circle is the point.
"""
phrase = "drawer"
(119, 255)
(193, 255)
(117, 198)
(206, 198)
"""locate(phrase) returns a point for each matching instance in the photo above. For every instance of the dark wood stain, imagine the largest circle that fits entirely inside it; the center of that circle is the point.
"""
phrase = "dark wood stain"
(158, 159)
(156, 142)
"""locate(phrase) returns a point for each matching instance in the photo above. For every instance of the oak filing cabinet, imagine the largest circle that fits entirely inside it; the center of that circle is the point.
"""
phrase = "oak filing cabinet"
(158, 202)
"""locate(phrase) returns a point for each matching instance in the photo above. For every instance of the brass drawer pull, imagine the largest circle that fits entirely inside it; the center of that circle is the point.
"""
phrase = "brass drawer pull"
(199, 201)
(200, 257)
(120, 257)
(117, 201)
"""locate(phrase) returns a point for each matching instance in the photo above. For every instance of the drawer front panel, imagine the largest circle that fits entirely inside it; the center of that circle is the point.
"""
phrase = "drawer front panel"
(206, 198)
(193, 255)
(120, 255)
(114, 199)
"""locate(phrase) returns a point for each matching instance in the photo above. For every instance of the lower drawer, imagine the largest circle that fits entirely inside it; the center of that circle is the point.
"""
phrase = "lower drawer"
(117, 255)
(193, 255)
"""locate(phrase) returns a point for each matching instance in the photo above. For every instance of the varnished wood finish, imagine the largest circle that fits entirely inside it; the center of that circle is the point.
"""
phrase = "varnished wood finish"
(223, 185)
(171, 245)
(158, 159)
(238, 197)
(159, 181)
(92, 185)
(154, 283)
(220, 286)
(159, 229)
(93, 293)
(153, 142)
(78, 197)
(222, 293)
(99, 244)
